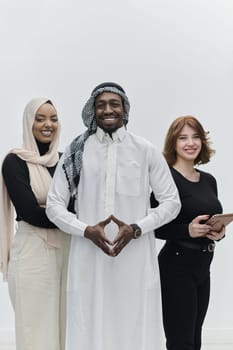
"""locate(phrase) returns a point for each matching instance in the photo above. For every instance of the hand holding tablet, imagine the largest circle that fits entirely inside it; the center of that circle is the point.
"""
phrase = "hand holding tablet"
(217, 221)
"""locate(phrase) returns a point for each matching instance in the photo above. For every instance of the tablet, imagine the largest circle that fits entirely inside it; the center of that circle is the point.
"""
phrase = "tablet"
(217, 221)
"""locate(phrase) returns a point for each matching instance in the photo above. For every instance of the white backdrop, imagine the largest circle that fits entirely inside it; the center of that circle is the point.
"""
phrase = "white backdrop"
(173, 57)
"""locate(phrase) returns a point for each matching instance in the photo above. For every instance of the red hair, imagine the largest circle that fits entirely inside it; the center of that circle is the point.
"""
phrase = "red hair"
(173, 133)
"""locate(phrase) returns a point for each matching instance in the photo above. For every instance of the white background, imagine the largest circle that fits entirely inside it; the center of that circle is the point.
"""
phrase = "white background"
(173, 57)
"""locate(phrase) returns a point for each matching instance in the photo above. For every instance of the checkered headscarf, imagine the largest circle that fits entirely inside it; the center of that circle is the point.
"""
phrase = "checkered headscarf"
(73, 155)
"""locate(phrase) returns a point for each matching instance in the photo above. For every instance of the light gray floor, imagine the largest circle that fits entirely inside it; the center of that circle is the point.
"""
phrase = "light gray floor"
(204, 347)
(217, 347)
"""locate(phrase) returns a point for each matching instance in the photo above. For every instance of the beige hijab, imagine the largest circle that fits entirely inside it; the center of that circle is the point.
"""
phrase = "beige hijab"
(39, 179)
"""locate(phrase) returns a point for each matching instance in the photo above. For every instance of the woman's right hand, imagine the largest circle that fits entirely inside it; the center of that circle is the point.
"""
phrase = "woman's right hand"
(197, 229)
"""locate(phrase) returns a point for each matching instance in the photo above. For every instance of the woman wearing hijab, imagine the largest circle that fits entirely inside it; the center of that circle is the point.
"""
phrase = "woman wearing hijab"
(34, 262)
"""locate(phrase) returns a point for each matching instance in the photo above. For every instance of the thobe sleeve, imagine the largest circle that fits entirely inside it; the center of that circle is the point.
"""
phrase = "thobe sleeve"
(57, 203)
(165, 191)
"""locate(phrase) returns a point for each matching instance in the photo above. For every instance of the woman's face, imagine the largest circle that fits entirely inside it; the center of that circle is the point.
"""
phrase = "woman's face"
(45, 123)
(188, 144)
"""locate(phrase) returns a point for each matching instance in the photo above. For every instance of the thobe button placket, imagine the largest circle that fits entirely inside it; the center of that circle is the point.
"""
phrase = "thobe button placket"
(110, 178)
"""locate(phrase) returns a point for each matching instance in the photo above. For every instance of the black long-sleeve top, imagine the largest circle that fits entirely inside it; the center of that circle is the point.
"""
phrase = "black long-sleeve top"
(197, 198)
(16, 177)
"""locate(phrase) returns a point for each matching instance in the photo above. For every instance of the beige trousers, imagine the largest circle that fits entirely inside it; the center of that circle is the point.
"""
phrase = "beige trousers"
(37, 277)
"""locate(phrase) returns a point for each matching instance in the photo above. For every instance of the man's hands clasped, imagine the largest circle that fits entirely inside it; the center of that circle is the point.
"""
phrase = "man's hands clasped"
(97, 235)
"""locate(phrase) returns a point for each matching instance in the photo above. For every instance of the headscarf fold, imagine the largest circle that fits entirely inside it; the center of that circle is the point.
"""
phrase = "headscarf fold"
(73, 155)
(39, 181)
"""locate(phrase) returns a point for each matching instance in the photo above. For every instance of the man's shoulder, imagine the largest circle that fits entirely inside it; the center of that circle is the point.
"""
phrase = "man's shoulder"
(140, 140)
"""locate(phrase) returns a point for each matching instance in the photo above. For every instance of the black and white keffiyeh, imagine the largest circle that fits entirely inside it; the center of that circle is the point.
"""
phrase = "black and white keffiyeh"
(73, 155)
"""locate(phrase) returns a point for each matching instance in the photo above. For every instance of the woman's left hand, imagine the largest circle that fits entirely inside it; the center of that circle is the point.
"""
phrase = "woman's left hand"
(216, 236)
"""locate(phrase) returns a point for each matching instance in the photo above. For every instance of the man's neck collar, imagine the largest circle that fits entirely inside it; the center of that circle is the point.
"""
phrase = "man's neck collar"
(119, 134)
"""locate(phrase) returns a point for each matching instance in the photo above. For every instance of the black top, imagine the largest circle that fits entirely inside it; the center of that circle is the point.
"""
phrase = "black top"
(16, 176)
(197, 198)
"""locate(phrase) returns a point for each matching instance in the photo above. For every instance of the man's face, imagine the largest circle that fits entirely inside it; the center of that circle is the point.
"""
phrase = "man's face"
(109, 111)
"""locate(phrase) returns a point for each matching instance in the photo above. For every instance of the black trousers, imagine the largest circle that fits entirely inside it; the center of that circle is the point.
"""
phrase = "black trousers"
(185, 284)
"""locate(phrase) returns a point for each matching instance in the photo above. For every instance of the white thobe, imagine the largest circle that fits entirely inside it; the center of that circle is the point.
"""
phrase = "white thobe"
(114, 303)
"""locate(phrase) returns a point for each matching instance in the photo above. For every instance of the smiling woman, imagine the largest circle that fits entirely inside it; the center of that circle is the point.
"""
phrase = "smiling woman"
(34, 264)
(46, 123)
(175, 57)
(186, 257)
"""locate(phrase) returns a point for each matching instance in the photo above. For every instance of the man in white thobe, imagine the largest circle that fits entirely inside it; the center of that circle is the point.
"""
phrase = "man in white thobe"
(114, 300)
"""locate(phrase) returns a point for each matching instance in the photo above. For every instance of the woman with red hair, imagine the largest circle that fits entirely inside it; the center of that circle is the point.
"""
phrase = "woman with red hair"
(186, 256)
